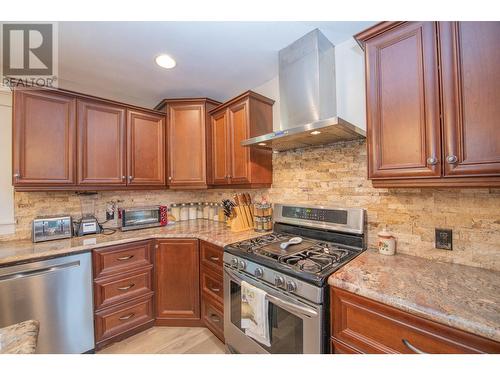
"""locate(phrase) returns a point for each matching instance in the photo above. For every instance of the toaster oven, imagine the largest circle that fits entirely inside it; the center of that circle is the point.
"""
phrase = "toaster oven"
(142, 217)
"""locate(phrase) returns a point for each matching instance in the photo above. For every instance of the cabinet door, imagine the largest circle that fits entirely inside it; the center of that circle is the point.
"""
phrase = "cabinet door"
(177, 281)
(239, 155)
(403, 103)
(145, 148)
(220, 162)
(101, 144)
(186, 145)
(470, 66)
(44, 138)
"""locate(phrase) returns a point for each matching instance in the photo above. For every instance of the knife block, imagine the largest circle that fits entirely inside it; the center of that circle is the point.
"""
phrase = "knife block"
(241, 220)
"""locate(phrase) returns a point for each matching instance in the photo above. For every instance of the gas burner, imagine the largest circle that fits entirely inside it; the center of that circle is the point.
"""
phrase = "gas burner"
(255, 243)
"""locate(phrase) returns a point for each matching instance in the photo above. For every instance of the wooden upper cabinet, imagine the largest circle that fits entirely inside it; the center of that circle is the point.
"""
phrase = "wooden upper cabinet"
(101, 144)
(470, 66)
(403, 102)
(145, 148)
(187, 132)
(177, 277)
(432, 103)
(44, 139)
(239, 155)
(220, 144)
(243, 117)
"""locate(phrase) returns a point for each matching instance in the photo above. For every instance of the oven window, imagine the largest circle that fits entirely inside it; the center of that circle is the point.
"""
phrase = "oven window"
(141, 217)
(287, 331)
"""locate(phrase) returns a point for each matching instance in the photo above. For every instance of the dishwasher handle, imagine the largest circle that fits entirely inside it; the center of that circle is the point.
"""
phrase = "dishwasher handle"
(38, 271)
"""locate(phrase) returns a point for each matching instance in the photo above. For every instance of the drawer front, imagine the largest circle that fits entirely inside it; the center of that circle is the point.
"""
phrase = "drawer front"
(116, 320)
(115, 259)
(121, 288)
(372, 327)
(213, 317)
(212, 285)
(211, 256)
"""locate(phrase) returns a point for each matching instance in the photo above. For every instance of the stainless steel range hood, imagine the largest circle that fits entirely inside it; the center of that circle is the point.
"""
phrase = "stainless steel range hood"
(308, 105)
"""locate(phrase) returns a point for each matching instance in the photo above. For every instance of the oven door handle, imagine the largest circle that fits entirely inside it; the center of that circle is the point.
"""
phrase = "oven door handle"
(299, 309)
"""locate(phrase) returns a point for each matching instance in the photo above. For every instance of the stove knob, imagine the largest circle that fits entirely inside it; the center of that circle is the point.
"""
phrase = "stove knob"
(279, 281)
(234, 262)
(258, 272)
(291, 286)
(242, 264)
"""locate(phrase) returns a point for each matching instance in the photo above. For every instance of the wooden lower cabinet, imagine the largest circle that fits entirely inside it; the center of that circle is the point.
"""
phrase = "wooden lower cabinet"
(123, 291)
(361, 325)
(212, 288)
(177, 280)
(128, 318)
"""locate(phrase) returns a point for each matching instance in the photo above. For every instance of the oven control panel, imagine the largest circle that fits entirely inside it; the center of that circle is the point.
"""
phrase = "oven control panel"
(315, 214)
(273, 278)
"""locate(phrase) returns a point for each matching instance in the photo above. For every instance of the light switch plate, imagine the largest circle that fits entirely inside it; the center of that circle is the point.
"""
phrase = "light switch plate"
(444, 239)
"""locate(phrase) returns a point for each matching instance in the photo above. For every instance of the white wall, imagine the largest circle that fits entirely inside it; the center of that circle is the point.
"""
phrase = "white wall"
(7, 224)
(350, 84)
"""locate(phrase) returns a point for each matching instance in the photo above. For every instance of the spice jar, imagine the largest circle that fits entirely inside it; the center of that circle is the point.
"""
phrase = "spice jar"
(192, 211)
(175, 211)
(211, 212)
(199, 210)
(220, 213)
(184, 212)
(386, 242)
(263, 223)
(206, 210)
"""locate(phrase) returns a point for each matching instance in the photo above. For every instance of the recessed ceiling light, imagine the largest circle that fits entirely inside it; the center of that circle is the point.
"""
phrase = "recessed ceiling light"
(315, 132)
(262, 144)
(165, 61)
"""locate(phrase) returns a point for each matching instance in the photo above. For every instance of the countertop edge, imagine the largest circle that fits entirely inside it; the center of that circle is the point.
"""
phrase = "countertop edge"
(413, 308)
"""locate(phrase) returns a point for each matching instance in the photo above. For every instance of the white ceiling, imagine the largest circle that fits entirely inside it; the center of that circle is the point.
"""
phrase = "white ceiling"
(214, 59)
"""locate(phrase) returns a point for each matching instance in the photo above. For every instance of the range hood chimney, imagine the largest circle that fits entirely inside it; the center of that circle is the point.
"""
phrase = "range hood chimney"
(308, 104)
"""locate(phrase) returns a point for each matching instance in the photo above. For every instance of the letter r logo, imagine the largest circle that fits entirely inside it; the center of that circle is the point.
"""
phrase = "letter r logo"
(27, 49)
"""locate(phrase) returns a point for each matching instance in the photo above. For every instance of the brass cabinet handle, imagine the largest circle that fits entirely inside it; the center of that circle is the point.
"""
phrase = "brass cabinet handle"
(214, 289)
(451, 159)
(130, 178)
(123, 178)
(125, 258)
(214, 258)
(126, 317)
(432, 160)
(214, 318)
(412, 348)
(126, 287)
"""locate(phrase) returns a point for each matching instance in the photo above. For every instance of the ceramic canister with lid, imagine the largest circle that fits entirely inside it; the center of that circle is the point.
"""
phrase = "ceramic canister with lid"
(386, 242)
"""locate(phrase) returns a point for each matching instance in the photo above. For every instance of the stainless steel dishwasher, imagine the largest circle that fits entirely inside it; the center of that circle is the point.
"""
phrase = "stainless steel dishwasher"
(58, 293)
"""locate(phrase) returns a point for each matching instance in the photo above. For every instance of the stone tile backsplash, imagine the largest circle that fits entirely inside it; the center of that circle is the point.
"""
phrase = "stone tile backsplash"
(332, 175)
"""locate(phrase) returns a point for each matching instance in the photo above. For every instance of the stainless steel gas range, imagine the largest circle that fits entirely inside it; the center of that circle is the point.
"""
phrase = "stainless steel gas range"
(294, 278)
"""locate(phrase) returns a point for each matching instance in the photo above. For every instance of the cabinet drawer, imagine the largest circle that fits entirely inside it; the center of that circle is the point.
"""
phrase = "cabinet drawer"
(121, 288)
(212, 285)
(120, 319)
(211, 256)
(115, 259)
(372, 327)
(213, 317)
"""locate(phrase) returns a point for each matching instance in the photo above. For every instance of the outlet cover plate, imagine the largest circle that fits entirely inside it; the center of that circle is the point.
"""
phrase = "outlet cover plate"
(444, 239)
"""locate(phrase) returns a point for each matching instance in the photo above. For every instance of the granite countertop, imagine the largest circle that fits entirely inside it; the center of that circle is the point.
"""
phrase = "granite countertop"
(12, 252)
(20, 338)
(464, 297)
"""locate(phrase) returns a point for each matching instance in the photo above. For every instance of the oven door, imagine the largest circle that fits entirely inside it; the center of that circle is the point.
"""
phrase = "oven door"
(296, 326)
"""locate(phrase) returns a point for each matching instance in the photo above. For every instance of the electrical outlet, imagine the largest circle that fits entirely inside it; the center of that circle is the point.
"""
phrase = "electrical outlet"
(444, 239)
